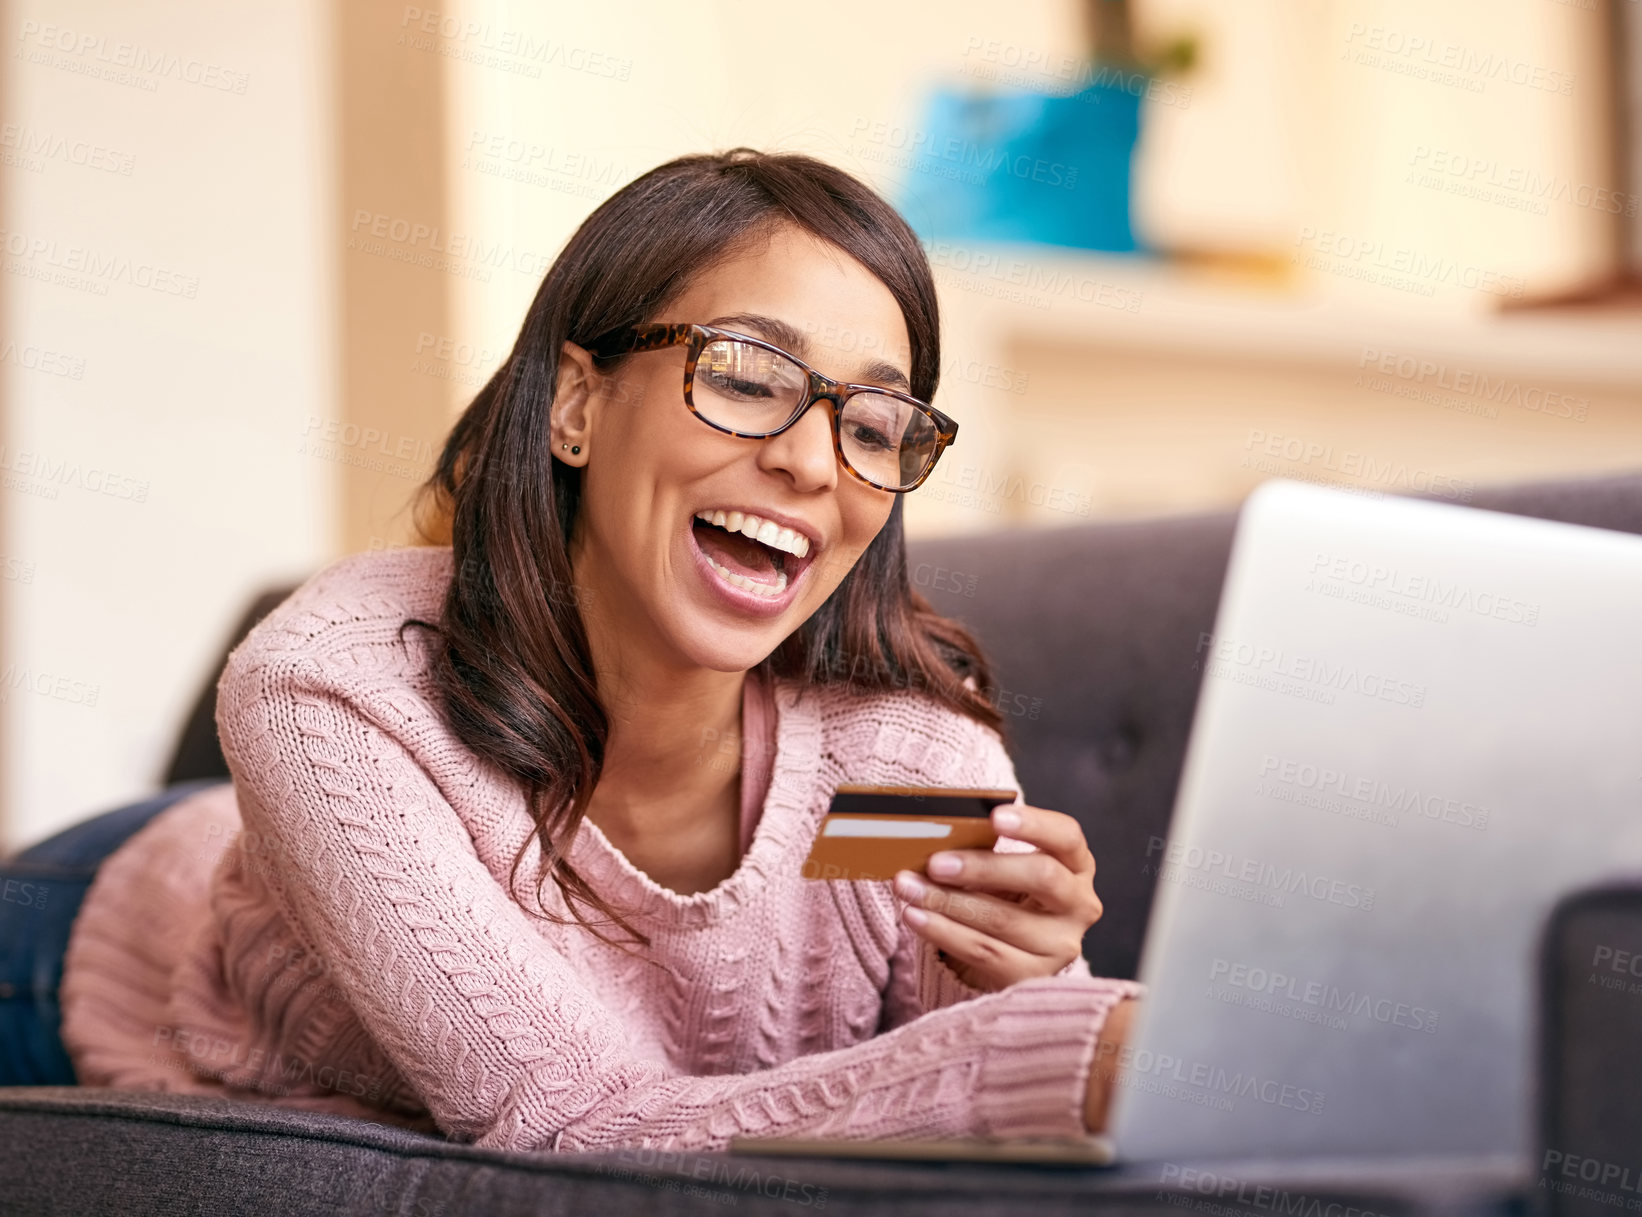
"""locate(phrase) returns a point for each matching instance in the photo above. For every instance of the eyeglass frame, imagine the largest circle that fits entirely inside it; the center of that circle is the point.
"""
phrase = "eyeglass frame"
(633, 339)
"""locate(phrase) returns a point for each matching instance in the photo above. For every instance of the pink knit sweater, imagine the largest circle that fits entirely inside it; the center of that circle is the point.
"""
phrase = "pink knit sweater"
(334, 930)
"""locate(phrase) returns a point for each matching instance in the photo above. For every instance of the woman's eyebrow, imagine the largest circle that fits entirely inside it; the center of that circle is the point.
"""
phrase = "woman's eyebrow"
(791, 338)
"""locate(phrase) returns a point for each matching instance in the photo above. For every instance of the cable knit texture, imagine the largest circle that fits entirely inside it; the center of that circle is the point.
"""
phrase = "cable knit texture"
(335, 930)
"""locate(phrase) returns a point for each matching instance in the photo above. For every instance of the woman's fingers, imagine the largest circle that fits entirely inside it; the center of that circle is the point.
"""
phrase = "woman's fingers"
(1038, 877)
(1054, 832)
(1005, 920)
(999, 917)
(980, 959)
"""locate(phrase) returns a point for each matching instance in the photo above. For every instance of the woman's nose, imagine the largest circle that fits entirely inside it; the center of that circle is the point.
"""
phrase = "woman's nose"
(805, 450)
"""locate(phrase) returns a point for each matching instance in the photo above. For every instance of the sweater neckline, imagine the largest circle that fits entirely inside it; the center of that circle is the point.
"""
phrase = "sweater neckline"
(780, 825)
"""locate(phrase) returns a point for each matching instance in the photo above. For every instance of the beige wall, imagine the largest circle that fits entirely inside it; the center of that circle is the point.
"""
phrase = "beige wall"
(1425, 128)
(536, 141)
(168, 244)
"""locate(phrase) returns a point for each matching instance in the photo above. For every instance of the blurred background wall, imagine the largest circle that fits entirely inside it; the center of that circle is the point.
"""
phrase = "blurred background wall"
(171, 328)
(256, 261)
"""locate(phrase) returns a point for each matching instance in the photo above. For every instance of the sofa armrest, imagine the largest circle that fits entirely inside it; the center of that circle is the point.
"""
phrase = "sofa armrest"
(198, 754)
(1590, 1048)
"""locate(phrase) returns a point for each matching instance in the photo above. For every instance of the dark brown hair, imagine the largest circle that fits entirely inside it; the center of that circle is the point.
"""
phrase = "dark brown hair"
(514, 670)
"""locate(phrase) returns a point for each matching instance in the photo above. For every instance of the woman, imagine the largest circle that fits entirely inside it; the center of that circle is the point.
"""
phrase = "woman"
(486, 871)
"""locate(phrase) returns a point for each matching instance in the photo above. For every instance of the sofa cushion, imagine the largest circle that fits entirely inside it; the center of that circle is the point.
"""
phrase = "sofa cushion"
(1590, 1054)
(80, 1151)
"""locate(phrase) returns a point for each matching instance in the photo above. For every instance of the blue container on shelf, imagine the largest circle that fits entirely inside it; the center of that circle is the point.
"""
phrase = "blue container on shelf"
(1055, 170)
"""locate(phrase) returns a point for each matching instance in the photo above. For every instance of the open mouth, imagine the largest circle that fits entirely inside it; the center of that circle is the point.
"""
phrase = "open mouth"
(755, 555)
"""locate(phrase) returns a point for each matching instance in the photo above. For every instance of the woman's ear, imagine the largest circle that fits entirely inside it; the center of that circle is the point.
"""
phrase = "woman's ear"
(574, 404)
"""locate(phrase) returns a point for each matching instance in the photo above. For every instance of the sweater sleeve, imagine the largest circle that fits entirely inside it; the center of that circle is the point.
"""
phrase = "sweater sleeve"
(494, 1029)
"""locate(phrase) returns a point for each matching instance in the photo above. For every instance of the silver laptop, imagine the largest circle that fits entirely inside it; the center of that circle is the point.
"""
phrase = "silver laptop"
(1419, 725)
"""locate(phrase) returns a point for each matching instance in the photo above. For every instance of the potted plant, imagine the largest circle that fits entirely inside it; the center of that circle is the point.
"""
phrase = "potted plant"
(1049, 162)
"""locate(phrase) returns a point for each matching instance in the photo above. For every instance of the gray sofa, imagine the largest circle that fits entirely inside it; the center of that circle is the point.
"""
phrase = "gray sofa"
(1093, 630)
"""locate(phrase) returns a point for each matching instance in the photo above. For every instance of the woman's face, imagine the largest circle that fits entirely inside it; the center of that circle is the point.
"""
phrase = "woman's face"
(647, 566)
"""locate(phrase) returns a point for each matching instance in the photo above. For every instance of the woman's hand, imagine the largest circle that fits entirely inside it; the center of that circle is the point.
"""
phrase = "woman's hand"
(1002, 917)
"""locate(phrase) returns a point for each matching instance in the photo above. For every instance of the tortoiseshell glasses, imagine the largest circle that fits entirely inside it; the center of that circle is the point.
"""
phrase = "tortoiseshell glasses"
(748, 387)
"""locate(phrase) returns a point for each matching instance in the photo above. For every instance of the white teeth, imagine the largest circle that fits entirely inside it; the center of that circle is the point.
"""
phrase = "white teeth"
(767, 532)
(767, 590)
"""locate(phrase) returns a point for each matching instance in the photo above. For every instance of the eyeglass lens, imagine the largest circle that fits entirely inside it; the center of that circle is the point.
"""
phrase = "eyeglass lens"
(747, 388)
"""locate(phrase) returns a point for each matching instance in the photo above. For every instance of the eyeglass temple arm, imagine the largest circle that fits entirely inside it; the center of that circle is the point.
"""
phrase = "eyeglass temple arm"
(632, 338)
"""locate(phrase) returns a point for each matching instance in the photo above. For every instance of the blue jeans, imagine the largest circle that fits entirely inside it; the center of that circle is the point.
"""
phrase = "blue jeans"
(41, 890)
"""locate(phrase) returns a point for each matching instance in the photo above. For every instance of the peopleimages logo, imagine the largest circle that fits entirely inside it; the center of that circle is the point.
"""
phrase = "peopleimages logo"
(1402, 267)
(1373, 793)
(1449, 62)
(1270, 982)
(431, 245)
(486, 45)
(38, 359)
(217, 1057)
(1468, 382)
(714, 1170)
(1617, 961)
(983, 160)
(31, 144)
(44, 474)
(1207, 1085)
(1006, 63)
(1409, 585)
(1286, 880)
(1577, 1168)
(1260, 1196)
(1397, 475)
(1516, 186)
(87, 269)
(29, 895)
(122, 62)
(1035, 284)
(1315, 676)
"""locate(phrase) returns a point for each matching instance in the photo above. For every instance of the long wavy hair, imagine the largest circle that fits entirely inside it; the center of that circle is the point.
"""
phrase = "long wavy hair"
(514, 668)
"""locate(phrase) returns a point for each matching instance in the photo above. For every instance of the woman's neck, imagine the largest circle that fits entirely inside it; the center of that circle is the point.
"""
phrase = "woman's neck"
(674, 747)
(669, 794)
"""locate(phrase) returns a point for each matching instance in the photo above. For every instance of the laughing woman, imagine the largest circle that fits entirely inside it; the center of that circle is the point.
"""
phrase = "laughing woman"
(491, 871)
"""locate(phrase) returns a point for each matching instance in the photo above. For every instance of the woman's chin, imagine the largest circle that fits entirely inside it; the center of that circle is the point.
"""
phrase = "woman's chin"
(722, 647)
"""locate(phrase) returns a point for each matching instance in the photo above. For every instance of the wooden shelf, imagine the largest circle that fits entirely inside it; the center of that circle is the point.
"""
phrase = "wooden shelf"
(1093, 386)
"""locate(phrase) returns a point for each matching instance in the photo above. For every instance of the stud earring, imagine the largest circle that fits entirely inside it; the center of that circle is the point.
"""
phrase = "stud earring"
(576, 451)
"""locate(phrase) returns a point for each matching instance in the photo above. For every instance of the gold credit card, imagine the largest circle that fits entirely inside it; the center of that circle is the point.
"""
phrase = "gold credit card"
(870, 832)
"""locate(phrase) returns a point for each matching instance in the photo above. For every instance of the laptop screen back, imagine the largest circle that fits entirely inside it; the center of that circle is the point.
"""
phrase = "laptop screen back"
(1419, 725)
